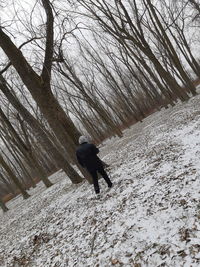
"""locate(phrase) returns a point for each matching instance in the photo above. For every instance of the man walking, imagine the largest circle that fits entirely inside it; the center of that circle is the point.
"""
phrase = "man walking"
(87, 157)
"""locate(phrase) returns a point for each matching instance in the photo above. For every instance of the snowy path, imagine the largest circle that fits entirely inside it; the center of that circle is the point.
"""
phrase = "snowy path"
(149, 218)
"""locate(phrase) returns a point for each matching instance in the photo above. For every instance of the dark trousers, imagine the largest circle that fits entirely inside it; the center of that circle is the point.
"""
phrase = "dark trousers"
(95, 178)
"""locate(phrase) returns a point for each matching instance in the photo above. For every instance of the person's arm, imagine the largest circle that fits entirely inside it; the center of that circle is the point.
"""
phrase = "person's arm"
(95, 149)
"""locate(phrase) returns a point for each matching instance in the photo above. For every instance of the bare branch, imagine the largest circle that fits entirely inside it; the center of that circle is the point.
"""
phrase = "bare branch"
(23, 44)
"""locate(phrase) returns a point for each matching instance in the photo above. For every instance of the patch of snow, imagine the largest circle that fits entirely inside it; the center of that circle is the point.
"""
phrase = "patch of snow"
(149, 218)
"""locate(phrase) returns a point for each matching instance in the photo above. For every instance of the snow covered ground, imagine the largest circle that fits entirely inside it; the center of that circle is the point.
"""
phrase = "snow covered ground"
(149, 218)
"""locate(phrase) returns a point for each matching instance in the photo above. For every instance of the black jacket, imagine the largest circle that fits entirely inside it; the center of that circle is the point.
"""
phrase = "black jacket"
(87, 157)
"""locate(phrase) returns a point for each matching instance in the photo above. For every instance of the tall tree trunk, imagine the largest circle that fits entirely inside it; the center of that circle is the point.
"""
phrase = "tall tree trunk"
(40, 134)
(8, 184)
(3, 206)
(26, 151)
(168, 46)
(14, 178)
(61, 125)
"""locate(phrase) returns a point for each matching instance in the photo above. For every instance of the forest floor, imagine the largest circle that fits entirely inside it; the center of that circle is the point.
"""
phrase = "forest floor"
(149, 218)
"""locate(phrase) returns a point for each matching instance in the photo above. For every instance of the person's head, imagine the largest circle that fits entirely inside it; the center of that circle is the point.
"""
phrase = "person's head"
(83, 139)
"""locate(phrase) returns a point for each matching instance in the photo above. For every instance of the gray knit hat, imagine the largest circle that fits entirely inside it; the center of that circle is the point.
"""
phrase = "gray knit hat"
(83, 139)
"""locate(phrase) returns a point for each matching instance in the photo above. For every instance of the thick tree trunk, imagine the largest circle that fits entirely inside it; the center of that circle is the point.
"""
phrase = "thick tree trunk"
(40, 134)
(62, 126)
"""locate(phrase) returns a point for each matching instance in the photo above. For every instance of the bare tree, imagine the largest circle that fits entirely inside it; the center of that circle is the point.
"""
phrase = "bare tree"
(26, 151)
(40, 87)
(40, 134)
(129, 30)
(12, 176)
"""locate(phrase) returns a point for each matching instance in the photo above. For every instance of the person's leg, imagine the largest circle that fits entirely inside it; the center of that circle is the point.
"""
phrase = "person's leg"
(105, 176)
(95, 181)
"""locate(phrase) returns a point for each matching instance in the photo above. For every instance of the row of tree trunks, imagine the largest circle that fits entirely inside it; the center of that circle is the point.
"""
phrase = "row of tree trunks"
(26, 151)
(40, 88)
(40, 134)
(12, 176)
